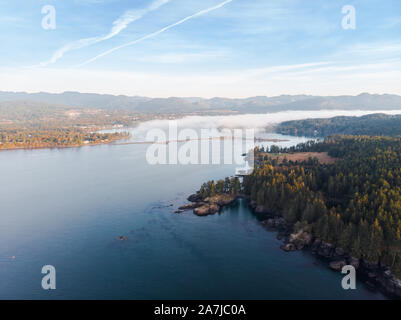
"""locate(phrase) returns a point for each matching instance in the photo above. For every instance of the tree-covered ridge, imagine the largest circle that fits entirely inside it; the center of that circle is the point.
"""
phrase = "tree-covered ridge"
(50, 138)
(374, 124)
(354, 203)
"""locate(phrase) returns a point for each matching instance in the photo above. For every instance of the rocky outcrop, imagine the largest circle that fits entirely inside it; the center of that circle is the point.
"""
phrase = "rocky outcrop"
(323, 249)
(209, 205)
(390, 283)
(195, 197)
(300, 239)
(369, 266)
(337, 264)
(191, 205)
(288, 247)
(275, 223)
(206, 209)
(316, 245)
(221, 199)
(339, 252)
(353, 262)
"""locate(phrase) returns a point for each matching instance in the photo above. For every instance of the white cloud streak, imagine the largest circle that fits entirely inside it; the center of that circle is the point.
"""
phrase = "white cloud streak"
(118, 25)
(153, 34)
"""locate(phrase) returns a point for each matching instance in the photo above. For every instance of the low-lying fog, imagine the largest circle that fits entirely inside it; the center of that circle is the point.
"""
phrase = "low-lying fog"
(259, 122)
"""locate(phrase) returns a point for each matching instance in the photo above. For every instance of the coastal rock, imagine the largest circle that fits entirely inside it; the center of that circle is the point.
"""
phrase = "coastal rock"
(260, 209)
(339, 252)
(252, 204)
(370, 285)
(316, 245)
(221, 199)
(325, 249)
(274, 223)
(389, 282)
(387, 274)
(195, 197)
(354, 262)
(191, 205)
(288, 247)
(368, 265)
(300, 239)
(207, 209)
(337, 265)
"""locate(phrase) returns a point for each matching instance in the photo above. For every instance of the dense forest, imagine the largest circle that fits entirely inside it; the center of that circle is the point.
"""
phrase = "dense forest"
(374, 124)
(353, 203)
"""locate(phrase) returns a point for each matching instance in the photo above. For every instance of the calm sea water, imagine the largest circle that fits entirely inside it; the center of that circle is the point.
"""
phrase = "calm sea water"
(68, 207)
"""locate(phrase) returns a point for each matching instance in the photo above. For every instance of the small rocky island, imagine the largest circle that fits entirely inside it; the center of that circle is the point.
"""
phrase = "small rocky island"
(209, 205)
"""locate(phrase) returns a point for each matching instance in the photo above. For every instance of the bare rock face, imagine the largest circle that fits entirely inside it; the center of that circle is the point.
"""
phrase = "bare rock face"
(221, 199)
(337, 265)
(300, 239)
(206, 209)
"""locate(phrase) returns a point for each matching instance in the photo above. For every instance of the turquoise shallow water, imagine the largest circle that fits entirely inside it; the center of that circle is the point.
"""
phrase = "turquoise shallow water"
(68, 207)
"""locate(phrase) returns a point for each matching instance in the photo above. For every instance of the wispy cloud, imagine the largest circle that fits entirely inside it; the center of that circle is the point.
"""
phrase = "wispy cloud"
(118, 25)
(153, 34)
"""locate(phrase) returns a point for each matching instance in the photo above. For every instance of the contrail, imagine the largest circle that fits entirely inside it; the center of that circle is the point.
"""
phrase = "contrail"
(151, 35)
(118, 25)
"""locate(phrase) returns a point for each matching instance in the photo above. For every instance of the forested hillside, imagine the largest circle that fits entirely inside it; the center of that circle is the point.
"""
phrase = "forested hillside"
(354, 203)
(374, 124)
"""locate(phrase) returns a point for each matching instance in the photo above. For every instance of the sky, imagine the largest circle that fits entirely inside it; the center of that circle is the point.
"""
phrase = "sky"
(203, 48)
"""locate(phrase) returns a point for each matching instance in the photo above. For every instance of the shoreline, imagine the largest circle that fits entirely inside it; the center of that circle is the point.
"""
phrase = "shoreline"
(64, 147)
(374, 275)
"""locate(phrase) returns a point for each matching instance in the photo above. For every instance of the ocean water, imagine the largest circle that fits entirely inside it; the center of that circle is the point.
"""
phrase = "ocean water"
(68, 207)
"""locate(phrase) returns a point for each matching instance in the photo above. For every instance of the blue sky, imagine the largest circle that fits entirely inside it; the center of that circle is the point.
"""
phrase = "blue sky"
(236, 48)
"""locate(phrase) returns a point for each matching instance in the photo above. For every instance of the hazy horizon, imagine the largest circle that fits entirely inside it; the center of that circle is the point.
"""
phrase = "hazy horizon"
(209, 48)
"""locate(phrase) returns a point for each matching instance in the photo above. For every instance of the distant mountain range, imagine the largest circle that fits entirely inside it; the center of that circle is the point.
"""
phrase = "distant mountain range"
(176, 105)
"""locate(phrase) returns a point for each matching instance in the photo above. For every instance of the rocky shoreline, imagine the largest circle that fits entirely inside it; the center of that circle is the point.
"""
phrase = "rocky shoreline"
(209, 205)
(377, 276)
